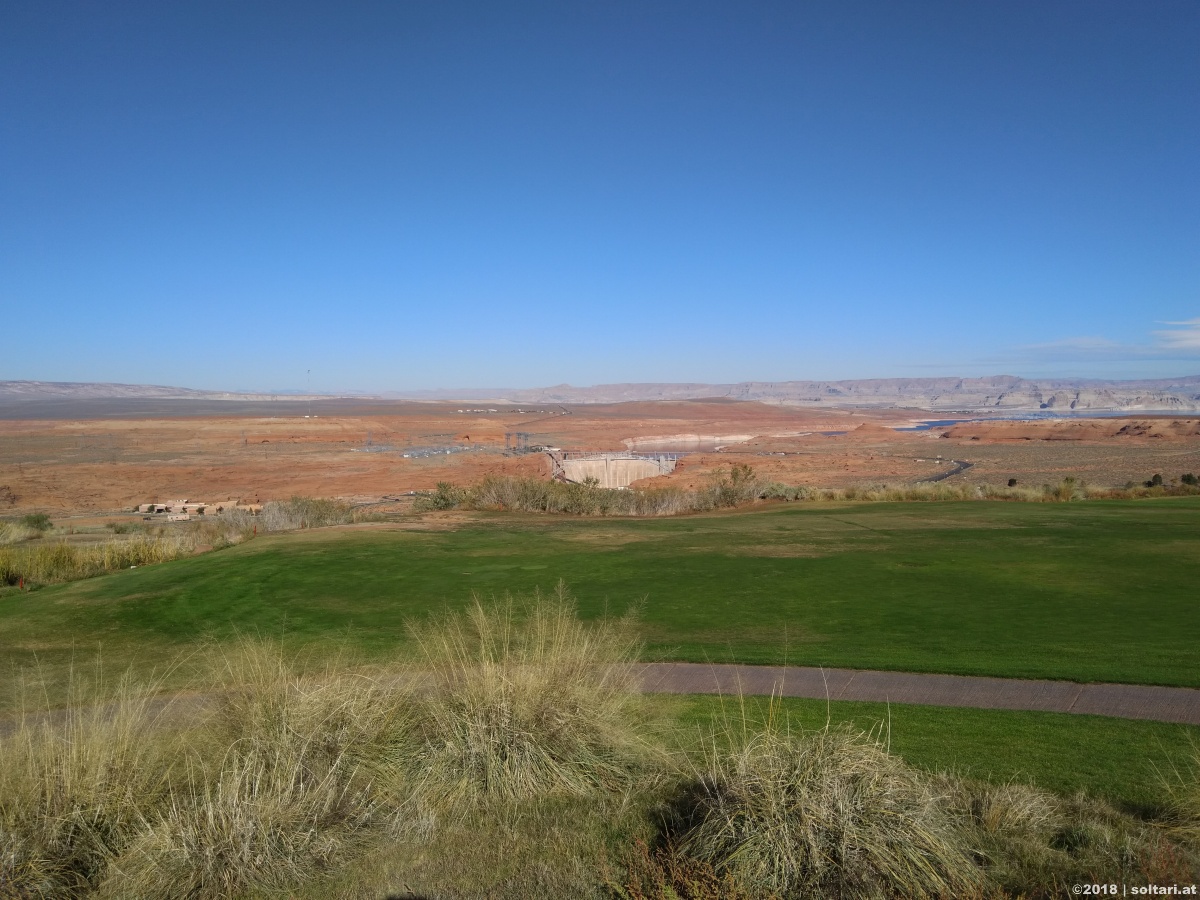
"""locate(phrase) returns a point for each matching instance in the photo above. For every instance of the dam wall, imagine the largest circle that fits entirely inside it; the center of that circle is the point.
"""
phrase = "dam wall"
(612, 470)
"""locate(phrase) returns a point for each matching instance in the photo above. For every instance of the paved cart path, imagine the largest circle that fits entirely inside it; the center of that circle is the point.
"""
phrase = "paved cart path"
(1125, 701)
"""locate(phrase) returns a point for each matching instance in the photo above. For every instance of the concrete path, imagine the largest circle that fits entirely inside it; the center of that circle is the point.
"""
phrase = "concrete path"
(1125, 701)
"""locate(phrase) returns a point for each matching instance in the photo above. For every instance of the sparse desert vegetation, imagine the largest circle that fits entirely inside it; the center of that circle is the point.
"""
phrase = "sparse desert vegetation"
(740, 485)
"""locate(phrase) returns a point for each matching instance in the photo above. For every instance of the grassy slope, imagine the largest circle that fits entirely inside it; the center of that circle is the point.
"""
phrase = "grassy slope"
(1093, 591)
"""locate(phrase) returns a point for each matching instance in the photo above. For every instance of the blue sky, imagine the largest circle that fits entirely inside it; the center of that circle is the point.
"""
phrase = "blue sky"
(408, 195)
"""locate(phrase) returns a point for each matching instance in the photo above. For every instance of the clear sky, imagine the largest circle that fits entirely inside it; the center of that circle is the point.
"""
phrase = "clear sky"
(427, 193)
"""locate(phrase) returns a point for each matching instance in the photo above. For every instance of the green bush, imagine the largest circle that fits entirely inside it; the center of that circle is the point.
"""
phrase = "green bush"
(37, 521)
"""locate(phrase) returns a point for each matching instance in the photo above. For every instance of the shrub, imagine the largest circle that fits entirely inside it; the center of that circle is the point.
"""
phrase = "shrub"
(739, 485)
(447, 496)
(525, 701)
(125, 527)
(829, 814)
(725, 489)
(303, 512)
(37, 521)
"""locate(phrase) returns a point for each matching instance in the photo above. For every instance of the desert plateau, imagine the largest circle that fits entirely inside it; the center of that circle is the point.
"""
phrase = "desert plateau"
(123, 455)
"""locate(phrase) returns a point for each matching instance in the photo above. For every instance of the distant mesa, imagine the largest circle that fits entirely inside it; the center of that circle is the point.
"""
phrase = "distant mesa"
(87, 390)
(1000, 393)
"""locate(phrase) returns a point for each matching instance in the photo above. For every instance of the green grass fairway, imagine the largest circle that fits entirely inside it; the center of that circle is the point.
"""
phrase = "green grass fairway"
(1124, 761)
(1095, 591)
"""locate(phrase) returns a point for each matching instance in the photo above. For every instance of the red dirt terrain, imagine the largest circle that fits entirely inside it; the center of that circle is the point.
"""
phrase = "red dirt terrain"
(1107, 429)
(358, 451)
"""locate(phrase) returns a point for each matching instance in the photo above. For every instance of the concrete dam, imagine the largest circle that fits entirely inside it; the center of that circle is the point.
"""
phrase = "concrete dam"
(612, 470)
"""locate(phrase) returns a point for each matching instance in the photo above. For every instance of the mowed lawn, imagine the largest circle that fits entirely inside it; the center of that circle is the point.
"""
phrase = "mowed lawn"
(1094, 591)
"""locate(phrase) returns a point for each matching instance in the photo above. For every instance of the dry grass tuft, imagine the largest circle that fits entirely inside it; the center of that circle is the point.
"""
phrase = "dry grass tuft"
(74, 785)
(1183, 790)
(283, 775)
(15, 533)
(1034, 844)
(525, 701)
(252, 825)
(288, 776)
(829, 813)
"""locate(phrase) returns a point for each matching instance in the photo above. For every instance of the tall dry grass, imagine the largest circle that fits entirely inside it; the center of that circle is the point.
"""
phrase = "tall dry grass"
(290, 775)
(48, 563)
(523, 494)
(1032, 843)
(15, 533)
(1182, 786)
(277, 770)
(828, 813)
(525, 701)
(75, 783)
(304, 512)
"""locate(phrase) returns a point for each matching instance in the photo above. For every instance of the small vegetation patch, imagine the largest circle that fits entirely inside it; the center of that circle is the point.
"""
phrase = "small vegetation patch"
(829, 813)
(39, 522)
(47, 563)
(1182, 784)
(15, 533)
(526, 702)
